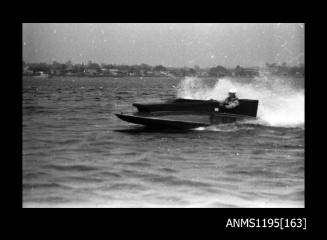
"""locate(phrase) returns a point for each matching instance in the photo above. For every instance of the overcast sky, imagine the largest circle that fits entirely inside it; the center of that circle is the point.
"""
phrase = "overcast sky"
(176, 45)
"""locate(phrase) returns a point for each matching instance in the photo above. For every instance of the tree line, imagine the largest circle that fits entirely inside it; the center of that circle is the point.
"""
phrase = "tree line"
(94, 69)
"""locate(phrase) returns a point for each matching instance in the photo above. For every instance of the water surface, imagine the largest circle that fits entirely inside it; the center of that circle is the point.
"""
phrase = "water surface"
(77, 153)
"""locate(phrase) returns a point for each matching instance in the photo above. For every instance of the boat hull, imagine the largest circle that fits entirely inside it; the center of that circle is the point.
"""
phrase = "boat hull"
(189, 113)
(180, 120)
(155, 122)
(247, 107)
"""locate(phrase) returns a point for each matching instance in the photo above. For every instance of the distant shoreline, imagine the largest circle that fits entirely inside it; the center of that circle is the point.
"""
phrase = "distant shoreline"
(108, 70)
(144, 77)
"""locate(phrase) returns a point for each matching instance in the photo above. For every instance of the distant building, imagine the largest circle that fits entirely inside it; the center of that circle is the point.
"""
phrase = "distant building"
(158, 74)
(246, 72)
(203, 74)
(114, 72)
(92, 71)
(27, 71)
(41, 74)
(105, 70)
(69, 69)
(56, 72)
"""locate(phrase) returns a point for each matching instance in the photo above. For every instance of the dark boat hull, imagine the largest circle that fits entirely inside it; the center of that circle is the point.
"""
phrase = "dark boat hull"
(154, 122)
(180, 120)
(247, 107)
(189, 113)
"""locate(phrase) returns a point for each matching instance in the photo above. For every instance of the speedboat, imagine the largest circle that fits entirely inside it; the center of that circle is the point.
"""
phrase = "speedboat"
(189, 113)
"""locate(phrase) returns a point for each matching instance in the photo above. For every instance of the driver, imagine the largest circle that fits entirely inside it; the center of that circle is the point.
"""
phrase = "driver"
(231, 101)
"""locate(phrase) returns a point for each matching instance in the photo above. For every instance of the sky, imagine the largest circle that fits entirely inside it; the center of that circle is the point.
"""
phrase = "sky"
(167, 44)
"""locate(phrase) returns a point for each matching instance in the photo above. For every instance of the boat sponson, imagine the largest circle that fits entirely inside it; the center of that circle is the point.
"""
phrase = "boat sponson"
(160, 123)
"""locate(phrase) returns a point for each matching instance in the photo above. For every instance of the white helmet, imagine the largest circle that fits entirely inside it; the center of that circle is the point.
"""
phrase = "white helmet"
(233, 90)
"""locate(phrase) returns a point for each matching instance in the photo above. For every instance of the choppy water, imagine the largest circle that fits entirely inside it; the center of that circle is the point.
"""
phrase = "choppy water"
(76, 153)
